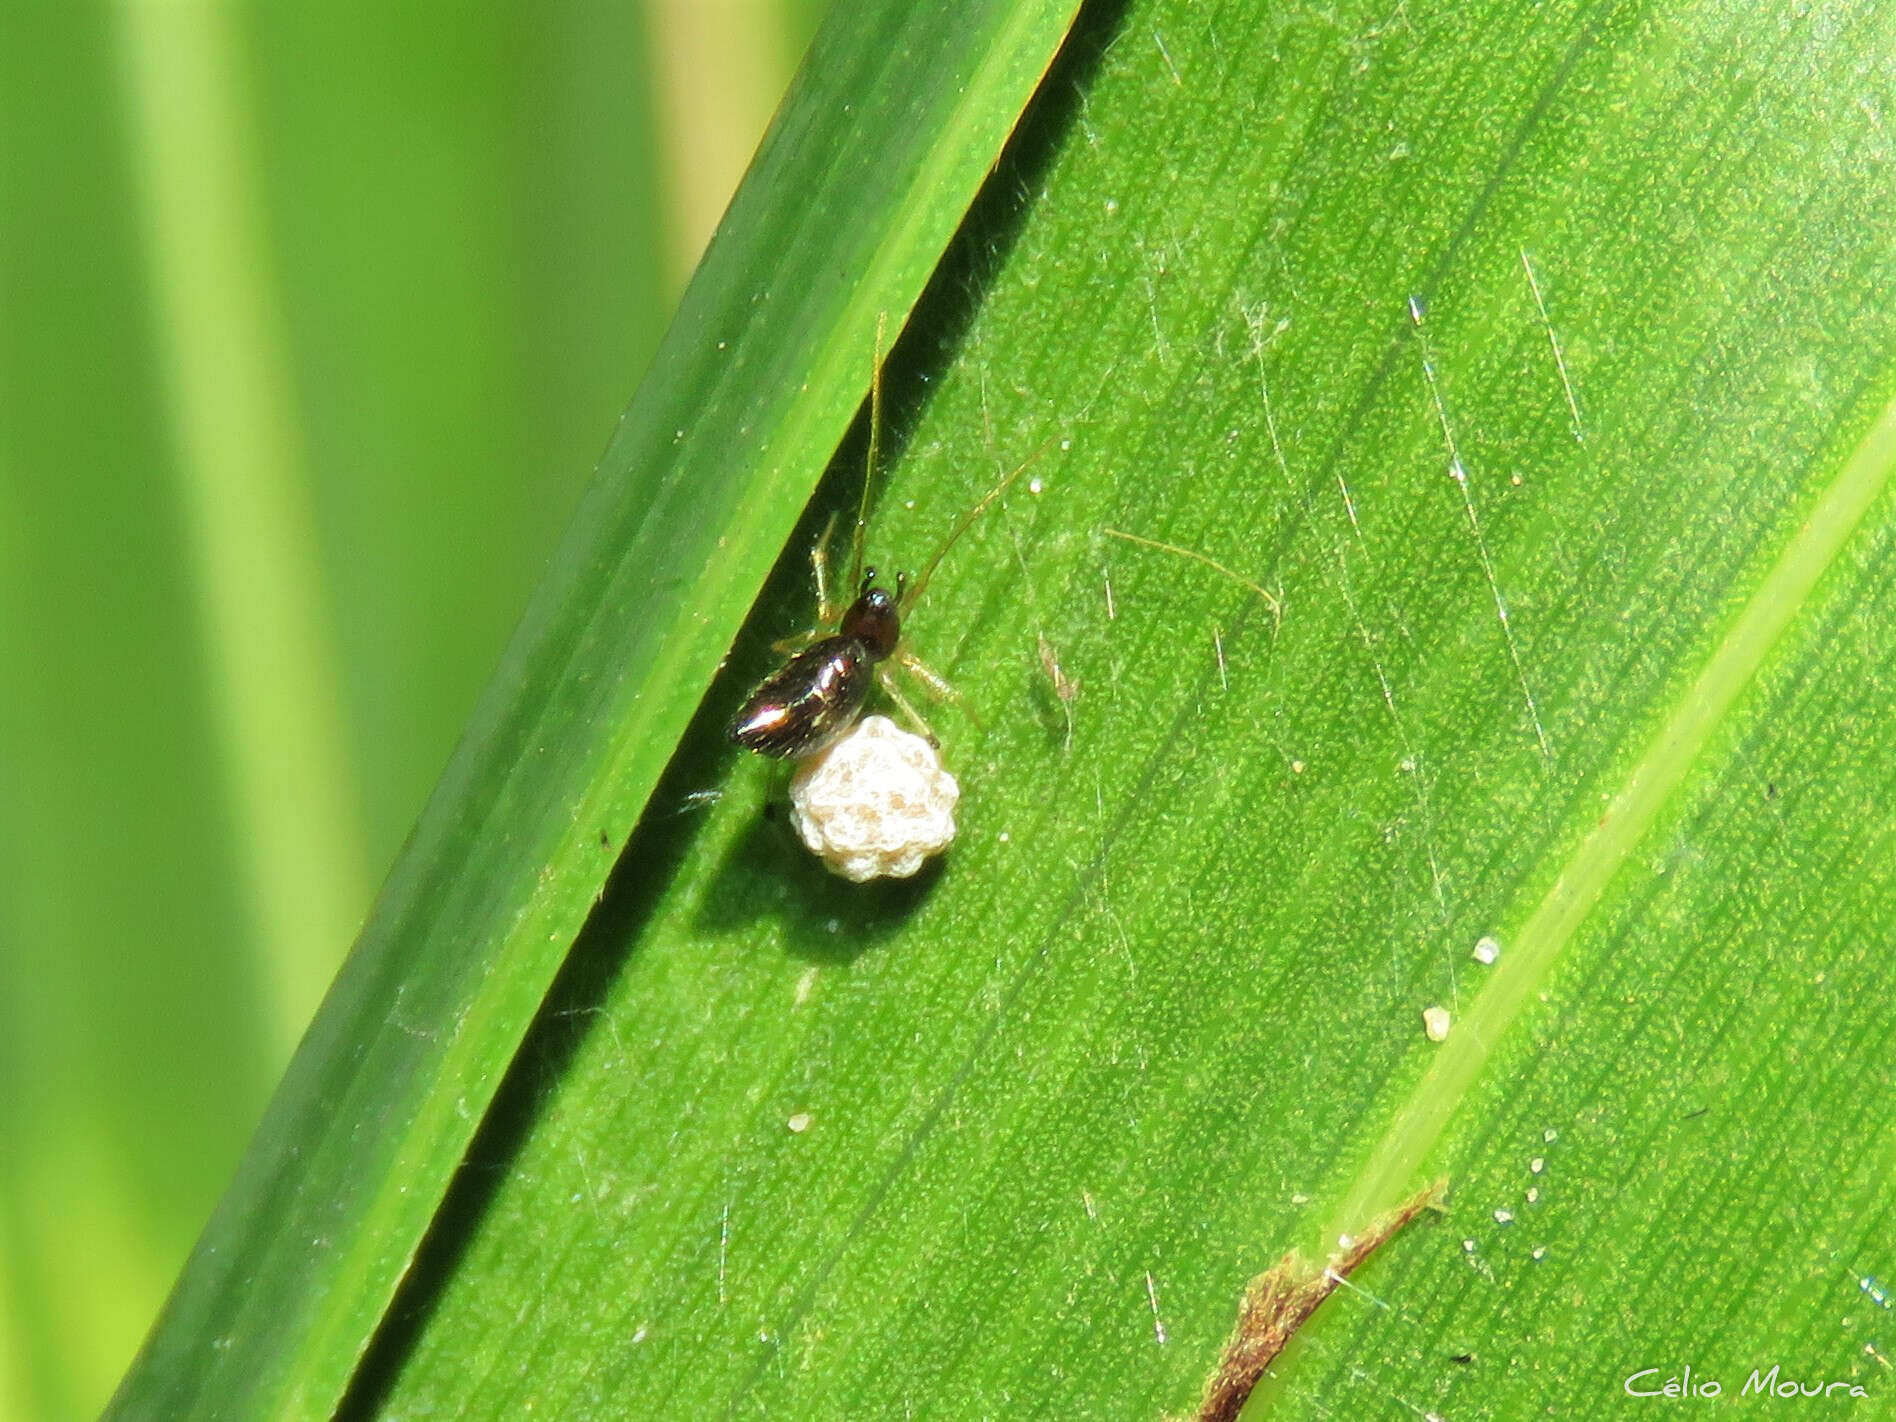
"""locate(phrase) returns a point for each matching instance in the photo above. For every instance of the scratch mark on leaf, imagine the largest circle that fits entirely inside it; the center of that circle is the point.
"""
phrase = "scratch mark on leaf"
(724, 1241)
(1165, 54)
(1161, 346)
(1458, 471)
(1103, 896)
(1560, 361)
(1256, 317)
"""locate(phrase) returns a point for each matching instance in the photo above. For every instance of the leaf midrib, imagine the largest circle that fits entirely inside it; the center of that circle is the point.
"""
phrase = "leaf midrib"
(1417, 1126)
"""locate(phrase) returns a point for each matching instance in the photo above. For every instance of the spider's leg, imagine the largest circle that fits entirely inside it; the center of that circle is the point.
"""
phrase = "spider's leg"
(828, 614)
(860, 534)
(905, 706)
(790, 646)
(912, 594)
(937, 684)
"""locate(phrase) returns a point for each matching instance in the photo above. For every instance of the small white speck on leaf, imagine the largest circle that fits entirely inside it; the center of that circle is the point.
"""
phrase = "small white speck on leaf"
(1436, 1022)
(798, 1123)
(1487, 950)
(1537, 1164)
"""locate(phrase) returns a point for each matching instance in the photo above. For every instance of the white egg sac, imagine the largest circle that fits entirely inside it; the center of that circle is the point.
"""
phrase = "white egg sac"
(876, 803)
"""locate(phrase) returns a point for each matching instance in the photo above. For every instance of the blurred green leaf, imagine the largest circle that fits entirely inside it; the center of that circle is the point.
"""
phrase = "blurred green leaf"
(107, 1007)
(871, 164)
(1539, 360)
(450, 261)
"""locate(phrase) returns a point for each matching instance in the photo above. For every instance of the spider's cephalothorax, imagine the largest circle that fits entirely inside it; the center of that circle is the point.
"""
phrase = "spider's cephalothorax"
(816, 695)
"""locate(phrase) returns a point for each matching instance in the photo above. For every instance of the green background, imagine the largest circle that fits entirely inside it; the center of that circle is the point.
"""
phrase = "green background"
(376, 287)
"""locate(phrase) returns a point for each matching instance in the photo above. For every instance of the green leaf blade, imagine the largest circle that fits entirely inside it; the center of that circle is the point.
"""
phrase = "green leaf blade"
(644, 596)
(1155, 1021)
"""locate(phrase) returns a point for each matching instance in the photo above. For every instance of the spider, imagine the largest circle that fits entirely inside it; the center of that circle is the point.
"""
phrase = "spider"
(815, 696)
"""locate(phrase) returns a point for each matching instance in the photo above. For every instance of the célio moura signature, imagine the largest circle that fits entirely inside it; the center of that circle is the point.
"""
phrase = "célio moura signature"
(1682, 1385)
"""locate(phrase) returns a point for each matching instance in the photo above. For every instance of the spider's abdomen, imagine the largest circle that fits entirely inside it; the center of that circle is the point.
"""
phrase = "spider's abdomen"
(810, 701)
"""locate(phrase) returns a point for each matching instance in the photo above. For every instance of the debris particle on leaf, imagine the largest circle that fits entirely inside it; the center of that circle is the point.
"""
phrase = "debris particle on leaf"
(876, 803)
(1279, 1301)
(1065, 688)
(1487, 950)
(1436, 1022)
